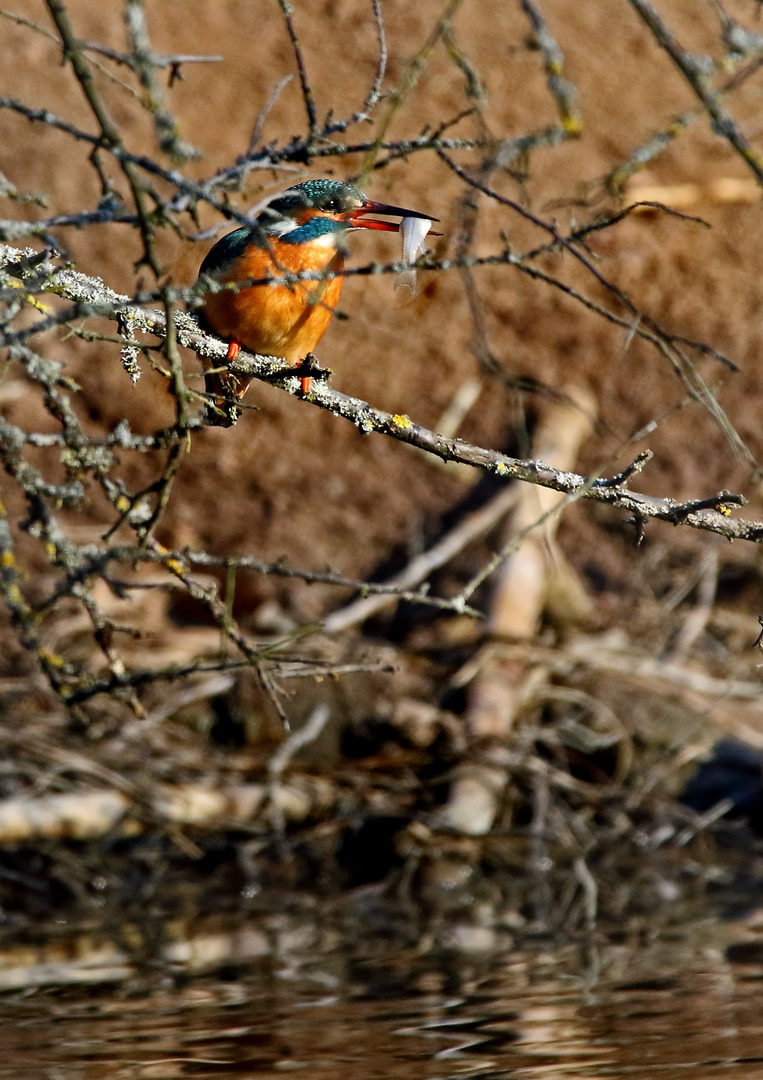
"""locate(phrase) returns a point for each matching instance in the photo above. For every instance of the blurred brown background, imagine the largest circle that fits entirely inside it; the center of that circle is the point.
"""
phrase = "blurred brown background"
(289, 481)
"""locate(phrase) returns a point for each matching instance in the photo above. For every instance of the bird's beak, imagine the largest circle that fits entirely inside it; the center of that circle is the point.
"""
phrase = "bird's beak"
(358, 220)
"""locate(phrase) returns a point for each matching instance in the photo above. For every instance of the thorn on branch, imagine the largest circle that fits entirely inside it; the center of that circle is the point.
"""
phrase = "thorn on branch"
(622, 478)
(639, 524)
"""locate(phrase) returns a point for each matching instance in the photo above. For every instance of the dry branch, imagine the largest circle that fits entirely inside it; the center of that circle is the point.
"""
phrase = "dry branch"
(696, 70)
(88, 815)
(91, 297)
(86, 585)
(88, 959)
(421, 567)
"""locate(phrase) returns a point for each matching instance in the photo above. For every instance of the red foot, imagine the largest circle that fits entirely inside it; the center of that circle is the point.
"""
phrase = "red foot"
(234, 349)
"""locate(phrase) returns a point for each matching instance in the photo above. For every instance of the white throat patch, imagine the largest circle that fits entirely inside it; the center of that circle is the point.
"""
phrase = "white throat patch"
(282, 227)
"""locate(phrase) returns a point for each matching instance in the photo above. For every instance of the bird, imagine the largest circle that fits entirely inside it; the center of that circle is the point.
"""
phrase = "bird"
(298, 230)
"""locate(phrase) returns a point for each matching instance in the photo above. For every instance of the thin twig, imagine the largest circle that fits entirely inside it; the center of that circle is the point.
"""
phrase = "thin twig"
(696, 70)
(304, 82)
(698, 515)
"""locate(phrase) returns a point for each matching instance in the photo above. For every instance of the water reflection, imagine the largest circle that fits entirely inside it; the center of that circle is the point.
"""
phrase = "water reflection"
(281, 994)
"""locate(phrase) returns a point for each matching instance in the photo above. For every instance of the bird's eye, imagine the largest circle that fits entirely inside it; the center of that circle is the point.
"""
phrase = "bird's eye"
(332, 204)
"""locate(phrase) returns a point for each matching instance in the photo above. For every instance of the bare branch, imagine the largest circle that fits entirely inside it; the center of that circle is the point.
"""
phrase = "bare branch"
(696, 70)
(307, 93)
(562, 91)
(706, 514)
(109, 132)
(144, 62)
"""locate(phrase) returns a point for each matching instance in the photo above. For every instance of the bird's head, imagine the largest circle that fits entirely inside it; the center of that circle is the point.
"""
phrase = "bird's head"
(327, 207)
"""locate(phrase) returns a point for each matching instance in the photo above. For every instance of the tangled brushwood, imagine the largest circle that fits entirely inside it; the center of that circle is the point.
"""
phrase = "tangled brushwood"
(464, 641)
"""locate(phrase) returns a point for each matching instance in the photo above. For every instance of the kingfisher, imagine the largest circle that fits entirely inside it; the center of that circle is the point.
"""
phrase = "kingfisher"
(301, 229)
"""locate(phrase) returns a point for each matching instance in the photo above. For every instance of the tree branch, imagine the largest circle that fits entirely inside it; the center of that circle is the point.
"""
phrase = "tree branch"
(696, 70)
(709, 514)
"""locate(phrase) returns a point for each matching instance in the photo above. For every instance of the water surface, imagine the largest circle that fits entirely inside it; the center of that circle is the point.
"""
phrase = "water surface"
(269, 994)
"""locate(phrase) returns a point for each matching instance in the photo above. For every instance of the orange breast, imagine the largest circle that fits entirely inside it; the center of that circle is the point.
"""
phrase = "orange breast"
(278, 320)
